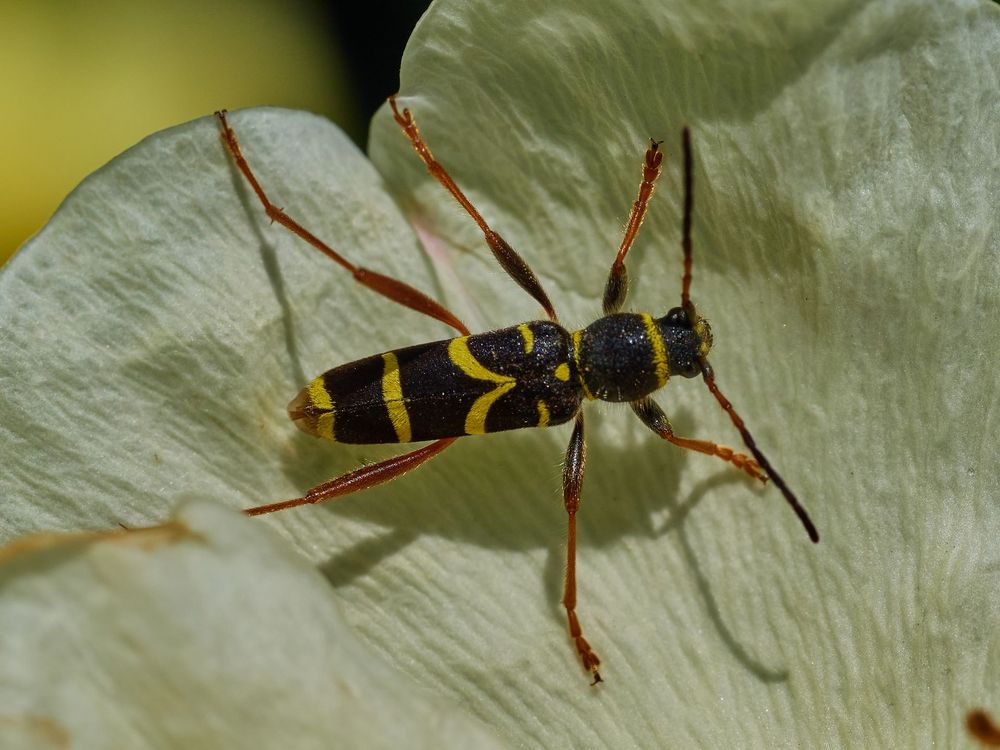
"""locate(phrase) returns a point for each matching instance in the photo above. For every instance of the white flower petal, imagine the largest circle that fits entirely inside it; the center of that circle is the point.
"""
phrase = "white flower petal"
(156, 328)
(205, 632)
(845, 251)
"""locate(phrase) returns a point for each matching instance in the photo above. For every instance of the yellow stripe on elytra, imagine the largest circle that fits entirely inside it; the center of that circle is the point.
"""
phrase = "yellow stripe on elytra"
(579, 367)
(562, 371)
(659, 350)
(529, 337)
(320, 399)
(543, 414)
(392, 395)
(459, 354)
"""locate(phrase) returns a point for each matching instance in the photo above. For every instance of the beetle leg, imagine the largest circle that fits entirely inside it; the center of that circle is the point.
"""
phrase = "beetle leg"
(576, 456)
(396, 290)
(359, 479)
(655, 419)
(616, 288)
(506, 256)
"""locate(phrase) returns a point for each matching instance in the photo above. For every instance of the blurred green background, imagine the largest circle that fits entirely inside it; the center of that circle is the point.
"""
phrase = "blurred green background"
(82, 82)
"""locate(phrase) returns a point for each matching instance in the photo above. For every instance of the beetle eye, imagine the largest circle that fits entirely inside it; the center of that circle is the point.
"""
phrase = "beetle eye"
(685, 367)
(691, 370)
(678, 318)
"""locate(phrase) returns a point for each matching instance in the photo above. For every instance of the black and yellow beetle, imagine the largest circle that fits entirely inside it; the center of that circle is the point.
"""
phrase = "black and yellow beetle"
(534, 374)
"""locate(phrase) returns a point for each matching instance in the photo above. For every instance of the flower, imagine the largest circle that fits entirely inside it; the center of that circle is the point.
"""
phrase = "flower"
(845, 250)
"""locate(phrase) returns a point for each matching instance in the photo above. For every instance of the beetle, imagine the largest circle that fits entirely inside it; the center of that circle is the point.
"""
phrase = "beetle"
(534, 374)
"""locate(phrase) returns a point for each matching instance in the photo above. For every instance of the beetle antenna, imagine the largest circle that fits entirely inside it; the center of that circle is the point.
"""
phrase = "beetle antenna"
(709, 375)
(706, 369)
(688, 210)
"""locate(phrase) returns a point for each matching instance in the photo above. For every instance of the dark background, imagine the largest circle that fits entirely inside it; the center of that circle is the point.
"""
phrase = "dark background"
(372, 62)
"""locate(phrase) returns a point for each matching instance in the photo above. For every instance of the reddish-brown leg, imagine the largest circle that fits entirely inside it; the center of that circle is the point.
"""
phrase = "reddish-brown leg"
(508, 258)
(576, 457)
(387, 286)
(655, 419)
(616, 289)
(359, 479)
